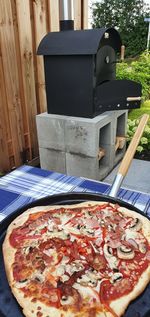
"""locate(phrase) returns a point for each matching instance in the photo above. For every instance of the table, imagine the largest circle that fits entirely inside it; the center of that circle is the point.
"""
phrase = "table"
(27, 184)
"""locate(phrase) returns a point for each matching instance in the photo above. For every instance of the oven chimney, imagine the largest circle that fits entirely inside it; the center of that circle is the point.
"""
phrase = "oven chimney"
(66, 19)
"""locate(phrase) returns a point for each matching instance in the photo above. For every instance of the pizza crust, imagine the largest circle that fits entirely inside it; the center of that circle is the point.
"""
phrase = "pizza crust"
(29, 308)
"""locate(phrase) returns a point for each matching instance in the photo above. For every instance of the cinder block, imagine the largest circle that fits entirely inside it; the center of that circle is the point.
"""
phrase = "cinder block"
(50, 130)
(81, 138)
(82, 166)
(53, 160)
(108, 159)
(107, 133)
(116, 113)
(90, 167)
(119, 155)
(70, 145)
(79, 135)
(87, 135)
(121, 122)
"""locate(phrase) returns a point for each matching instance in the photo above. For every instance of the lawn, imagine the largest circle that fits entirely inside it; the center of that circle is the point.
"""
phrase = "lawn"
(136, 113)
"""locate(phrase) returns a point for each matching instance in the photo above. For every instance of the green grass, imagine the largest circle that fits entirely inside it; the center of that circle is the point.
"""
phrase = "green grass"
(137, 113)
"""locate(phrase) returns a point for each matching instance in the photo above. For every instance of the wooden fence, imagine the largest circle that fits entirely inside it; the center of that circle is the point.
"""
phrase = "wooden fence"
(23, 23)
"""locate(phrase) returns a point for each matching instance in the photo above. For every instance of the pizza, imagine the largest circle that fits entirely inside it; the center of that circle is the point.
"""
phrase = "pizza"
(85, 260)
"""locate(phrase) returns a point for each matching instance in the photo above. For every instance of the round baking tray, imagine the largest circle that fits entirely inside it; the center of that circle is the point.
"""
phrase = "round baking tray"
(9, 307)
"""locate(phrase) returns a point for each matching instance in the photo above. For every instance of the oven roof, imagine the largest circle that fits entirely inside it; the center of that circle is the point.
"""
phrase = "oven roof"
(80, 42)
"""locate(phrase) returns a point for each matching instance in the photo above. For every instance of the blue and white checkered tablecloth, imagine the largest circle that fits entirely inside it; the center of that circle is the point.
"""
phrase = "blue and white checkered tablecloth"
(27, 184)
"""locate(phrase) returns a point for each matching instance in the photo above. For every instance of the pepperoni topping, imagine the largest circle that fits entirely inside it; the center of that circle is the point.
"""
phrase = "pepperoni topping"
(22, 272)
(17, 239)
(51, 296)
(99, 263)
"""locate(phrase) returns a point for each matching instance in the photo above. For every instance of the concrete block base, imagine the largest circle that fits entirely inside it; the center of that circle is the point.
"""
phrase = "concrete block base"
(70, 145)
(53, 160)
(89, 167)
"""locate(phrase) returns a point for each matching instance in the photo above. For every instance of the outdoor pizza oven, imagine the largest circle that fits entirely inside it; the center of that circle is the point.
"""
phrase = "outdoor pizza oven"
(80, 72)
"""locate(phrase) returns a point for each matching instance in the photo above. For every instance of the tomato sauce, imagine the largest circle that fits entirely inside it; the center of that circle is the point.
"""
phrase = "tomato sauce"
(109, 291)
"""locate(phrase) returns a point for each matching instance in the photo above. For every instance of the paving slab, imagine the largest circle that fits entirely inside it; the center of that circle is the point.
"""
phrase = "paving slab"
(137, 178)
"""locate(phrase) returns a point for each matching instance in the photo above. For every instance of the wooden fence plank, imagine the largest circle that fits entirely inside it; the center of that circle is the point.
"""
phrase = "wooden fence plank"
(53, 12)
(41, 29)
(4, 100)
(77, 14)
(11, 78)
(85, 19)
(4, 124)
(27, 66)
(27, 140)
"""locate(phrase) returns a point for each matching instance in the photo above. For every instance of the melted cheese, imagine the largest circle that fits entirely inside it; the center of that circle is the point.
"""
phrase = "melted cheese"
(87, 293)
(129, 234)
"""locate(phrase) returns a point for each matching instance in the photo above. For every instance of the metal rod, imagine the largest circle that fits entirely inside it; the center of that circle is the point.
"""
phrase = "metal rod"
(116, 185)
(66, 10)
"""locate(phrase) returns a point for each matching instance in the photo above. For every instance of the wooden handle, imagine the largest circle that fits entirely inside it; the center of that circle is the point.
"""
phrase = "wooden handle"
(125, 164)
(122, 52)
(134, 98)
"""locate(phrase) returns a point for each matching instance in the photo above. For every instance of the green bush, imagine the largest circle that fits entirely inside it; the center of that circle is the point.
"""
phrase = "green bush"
(144, 144)
(138, 71)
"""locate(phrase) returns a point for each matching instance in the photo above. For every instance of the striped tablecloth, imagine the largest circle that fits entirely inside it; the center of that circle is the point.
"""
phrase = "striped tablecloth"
(27, 184)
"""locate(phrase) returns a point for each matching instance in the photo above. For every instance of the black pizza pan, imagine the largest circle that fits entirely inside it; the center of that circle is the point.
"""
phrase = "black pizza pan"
(9, 307)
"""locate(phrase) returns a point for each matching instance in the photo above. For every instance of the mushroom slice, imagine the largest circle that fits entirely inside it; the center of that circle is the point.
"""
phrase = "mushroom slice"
(136, 225)
(116, 277)
(22, 283)
(39, 277)
(110, 258)
(125, 253)
(107, 251)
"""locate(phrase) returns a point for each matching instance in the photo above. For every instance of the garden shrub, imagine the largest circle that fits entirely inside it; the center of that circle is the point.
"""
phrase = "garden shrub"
(144, 144)
(138, 71)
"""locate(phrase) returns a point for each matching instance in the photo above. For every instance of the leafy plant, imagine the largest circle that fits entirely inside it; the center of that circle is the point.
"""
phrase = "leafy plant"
(144, 144)
(138, 71)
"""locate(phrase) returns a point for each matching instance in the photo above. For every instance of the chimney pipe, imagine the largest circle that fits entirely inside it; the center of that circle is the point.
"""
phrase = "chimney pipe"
(66, 15)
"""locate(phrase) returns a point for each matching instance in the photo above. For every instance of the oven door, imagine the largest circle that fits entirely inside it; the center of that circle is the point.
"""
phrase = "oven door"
(117, 95)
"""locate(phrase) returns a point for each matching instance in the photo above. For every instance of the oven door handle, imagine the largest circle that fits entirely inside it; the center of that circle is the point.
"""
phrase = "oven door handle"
(133, 98)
